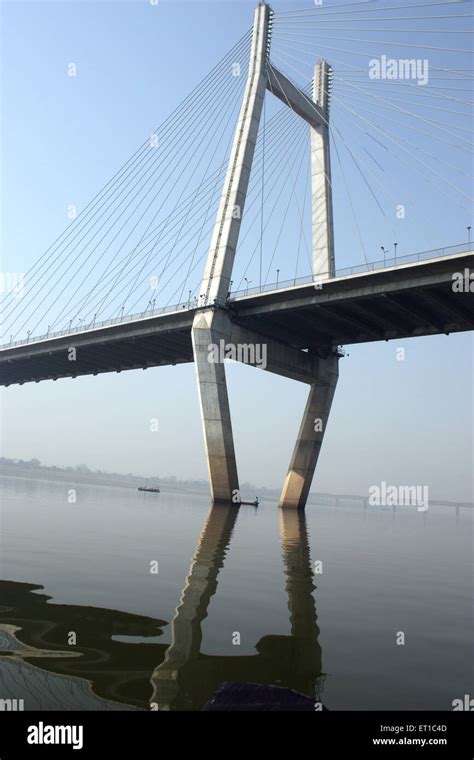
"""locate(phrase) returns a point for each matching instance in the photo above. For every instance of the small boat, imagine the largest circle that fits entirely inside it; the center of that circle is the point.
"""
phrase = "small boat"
(251, 502)
(152, 489)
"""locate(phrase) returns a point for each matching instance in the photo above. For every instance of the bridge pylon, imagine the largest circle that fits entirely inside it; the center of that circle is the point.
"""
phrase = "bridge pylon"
(322, 217)
(209, 327)
(212, 325)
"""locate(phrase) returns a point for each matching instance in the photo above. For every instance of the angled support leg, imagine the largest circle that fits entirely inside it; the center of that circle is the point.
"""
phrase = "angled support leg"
(208, 329)
(310, 436)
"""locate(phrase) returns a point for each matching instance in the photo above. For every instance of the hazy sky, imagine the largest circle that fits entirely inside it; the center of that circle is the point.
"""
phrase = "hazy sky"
(405, 422)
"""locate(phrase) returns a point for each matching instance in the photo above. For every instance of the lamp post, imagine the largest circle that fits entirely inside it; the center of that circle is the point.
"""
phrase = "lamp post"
(468, 234)
(278, 276)
(248, 283)
(395, 251)
(384, 253)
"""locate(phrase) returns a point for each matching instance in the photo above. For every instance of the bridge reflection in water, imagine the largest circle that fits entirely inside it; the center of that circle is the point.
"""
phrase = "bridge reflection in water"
(110, 665)
(187, 677)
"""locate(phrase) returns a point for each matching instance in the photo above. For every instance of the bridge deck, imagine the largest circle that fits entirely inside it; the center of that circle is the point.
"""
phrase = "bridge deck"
(400, 302)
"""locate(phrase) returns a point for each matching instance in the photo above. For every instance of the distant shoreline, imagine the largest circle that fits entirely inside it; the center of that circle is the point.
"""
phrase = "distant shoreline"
(83, 474)
(79, 475)
(72, 475)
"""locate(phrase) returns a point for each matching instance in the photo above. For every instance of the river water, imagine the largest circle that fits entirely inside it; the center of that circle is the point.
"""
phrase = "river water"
(121, 598)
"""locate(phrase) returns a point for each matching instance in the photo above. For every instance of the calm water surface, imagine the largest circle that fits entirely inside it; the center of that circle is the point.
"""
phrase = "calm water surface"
(227, 575)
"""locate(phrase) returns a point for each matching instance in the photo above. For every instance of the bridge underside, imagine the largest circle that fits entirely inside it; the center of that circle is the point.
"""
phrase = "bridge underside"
(95, 358)
(403, 302)
(154, 342)
(383, 305)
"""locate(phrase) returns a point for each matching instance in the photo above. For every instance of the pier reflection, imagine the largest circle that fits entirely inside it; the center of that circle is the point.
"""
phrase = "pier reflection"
(187, 678)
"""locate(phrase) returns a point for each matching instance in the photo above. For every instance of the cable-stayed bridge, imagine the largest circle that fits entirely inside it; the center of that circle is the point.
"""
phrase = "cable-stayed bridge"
(122, 288)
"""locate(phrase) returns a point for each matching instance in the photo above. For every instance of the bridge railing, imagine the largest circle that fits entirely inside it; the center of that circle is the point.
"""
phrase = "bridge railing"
(85, 327)
(358, 269)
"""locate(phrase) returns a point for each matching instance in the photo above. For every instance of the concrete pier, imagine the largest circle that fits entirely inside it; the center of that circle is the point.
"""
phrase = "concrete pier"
(209, 328)
(310, 436)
